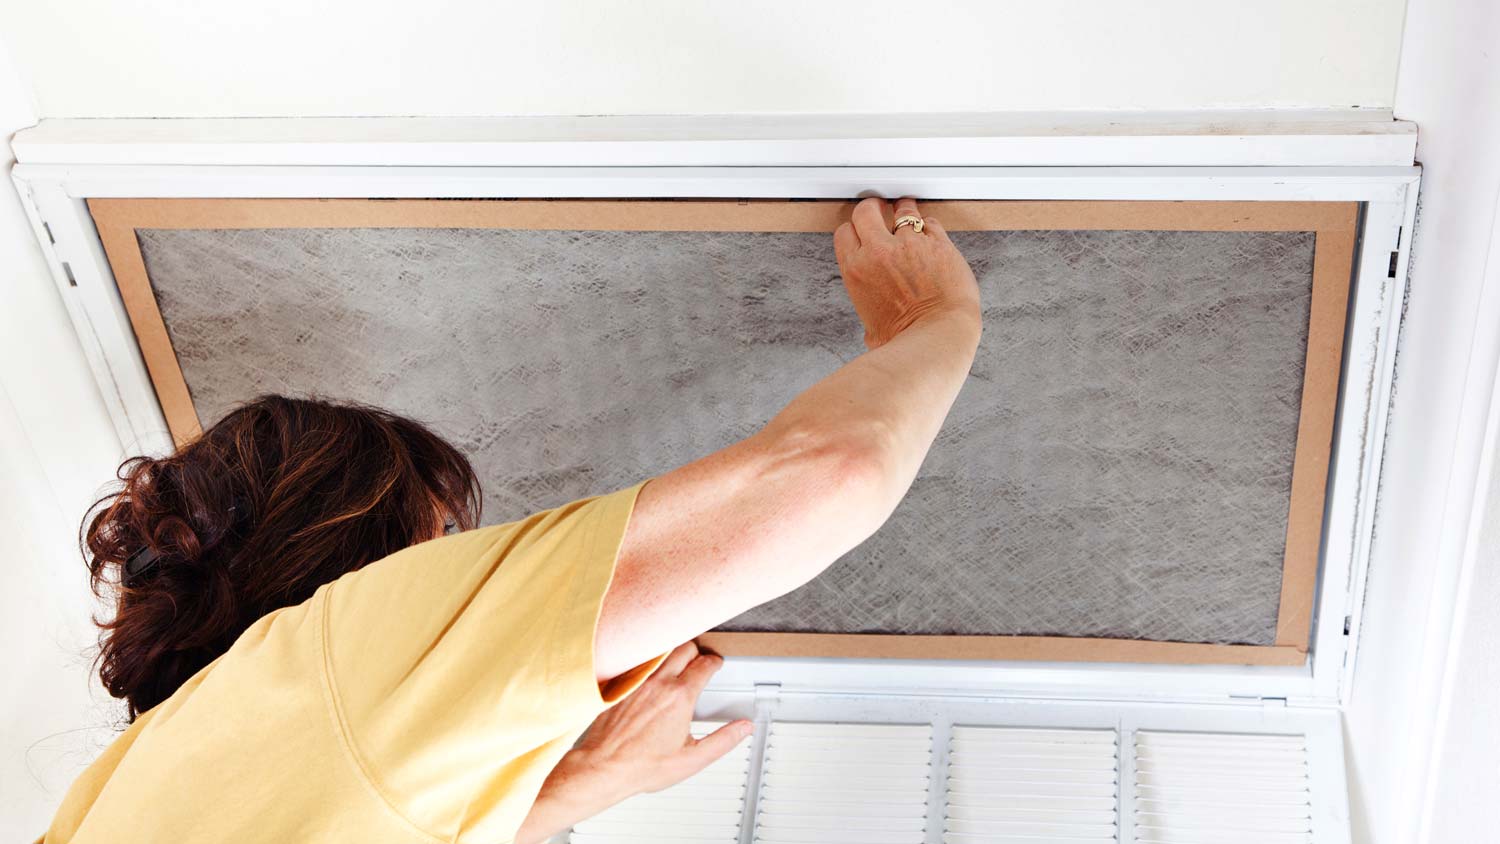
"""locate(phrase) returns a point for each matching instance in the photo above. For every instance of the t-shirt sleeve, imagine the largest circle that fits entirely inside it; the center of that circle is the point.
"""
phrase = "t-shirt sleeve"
(461, 669)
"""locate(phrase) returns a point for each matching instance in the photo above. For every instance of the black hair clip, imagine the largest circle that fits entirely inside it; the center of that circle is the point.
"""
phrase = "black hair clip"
(140, 562)
(145, 558)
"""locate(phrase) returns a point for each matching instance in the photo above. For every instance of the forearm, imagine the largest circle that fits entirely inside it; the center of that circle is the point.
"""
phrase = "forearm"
(573, 792)
(826, 472)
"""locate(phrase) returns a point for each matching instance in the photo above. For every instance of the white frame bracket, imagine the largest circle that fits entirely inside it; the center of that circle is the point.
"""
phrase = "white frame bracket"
(55, 195)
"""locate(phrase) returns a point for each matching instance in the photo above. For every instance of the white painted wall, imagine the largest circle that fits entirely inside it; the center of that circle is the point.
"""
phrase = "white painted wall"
(145, 58)
(1460, 798)
(57, 447)
(1422, 728)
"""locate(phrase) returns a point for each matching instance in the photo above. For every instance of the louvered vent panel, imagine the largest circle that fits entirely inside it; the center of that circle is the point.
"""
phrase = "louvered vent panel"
(1221, 788)
(1024, 786)
(845, 784)
(704, 809)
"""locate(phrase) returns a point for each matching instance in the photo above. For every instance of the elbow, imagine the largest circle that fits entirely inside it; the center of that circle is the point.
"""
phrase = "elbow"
(824, 491)
(866, 469)
(854, 472)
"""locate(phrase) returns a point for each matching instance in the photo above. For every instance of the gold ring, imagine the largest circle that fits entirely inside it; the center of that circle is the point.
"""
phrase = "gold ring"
(908, 220)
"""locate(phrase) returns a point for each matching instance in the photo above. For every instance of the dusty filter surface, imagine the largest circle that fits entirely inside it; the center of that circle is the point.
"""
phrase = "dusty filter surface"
(1118, 464)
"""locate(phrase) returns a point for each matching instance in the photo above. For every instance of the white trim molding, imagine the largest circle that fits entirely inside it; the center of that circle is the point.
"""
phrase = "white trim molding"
(1240, 138)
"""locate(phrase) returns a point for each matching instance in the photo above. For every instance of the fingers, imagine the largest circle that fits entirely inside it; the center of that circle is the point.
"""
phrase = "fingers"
(680, 657)
(869, 224)
(869, 221)
(710, 748)
(845, 242)
(698, 672)
(907, 206)
(931, 226)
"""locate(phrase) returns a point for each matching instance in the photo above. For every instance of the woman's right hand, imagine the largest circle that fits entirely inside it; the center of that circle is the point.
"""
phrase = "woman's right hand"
(896, 279)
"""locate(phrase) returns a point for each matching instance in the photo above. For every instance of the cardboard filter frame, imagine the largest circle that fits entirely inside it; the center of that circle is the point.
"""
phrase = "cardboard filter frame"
(1333, 224)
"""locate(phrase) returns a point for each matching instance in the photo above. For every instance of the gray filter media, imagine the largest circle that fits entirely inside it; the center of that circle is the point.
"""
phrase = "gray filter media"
(1118, 464)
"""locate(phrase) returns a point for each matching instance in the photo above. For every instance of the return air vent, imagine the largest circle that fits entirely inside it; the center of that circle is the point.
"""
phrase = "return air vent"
(1024, 785)
(1222, 788)
(705, 809)
(1031, 781)
(845, 784)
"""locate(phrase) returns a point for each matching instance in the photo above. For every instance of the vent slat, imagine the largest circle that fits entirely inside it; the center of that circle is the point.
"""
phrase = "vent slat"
(1010, 784)
(805, 806)
(706, 808)
(1240, 796)
(960, 838)
(1218, 820)
(975, 807)
(833, 794)
(1096, 831)
(1103, 814)
(1190, 808)
(847, 836)
(1254, 769)
(1241, 740)
(994, 776)
(899, 785)
(1159, 836)
(846, 732)
(1071, 738)
(874, 765)
(1252, 781)
(999, 757)
(1217, 788)
(845, 784)
(907, 823)
(970, 793)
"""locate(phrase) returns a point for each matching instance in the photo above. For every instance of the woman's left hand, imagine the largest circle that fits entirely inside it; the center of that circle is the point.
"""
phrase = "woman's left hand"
(640, 744)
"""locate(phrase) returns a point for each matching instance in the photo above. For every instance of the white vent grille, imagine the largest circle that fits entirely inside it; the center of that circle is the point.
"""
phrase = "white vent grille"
(704, 809)
(1221, 788)
(1022, 785)
(845, 784)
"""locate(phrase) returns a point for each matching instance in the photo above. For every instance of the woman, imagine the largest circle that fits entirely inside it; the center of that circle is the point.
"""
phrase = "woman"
(306, 657)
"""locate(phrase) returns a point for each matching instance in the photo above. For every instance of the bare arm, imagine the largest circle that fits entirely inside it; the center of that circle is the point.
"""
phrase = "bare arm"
(760, 518)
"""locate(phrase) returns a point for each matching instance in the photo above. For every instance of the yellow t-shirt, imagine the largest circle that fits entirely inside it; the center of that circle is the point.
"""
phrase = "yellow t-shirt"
(423, 698)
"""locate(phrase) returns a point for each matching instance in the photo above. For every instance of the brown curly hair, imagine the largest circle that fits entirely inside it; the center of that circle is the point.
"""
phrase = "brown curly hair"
(279, 497)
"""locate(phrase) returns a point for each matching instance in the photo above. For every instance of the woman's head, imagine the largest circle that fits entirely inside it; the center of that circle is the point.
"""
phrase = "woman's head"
(278, 498)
